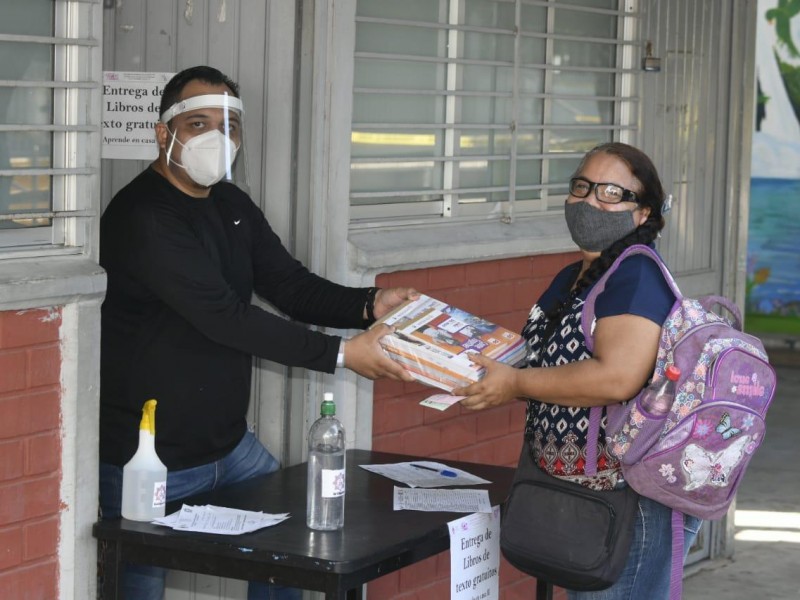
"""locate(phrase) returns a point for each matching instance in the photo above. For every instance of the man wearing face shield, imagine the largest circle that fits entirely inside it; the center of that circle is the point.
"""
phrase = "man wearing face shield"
(184, 252)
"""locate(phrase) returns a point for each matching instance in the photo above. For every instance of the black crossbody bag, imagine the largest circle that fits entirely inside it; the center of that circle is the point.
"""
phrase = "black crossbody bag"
(562, 532)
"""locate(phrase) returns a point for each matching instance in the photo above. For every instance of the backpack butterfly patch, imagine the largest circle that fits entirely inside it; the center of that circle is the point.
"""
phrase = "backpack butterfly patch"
(726, 429)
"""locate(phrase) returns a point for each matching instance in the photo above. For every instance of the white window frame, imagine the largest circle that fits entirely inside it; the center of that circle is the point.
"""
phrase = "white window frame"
(447, 208)
(75, 127)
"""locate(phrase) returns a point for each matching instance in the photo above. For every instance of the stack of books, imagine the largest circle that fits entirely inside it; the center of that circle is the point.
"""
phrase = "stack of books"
(433, 341)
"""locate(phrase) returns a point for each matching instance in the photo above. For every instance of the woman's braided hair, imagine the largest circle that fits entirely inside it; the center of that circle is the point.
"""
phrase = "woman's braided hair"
(650, 195)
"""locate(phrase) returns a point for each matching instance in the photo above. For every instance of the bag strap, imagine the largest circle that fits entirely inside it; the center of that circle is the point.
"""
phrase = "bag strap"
(587, 317)
(587, 322)
(676, 571)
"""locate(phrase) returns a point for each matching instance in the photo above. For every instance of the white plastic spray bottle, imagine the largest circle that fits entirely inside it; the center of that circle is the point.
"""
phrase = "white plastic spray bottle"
(144, 478)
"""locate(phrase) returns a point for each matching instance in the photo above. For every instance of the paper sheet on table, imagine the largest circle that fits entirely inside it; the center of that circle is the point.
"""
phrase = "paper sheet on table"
(219, 520)
(467, 501)
(441, 401)
(415, 477)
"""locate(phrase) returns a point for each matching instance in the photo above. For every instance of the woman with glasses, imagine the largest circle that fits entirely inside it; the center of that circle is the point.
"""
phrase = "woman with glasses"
(615, 200)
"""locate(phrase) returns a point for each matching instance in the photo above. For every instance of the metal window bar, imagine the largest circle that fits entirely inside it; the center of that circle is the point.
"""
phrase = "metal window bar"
(463, 158)
(367, 55)
(482, 94)
(625, 84)
(48, 40)
(573, 7)
(542, 3)
(465, 190)
(491, 63)
(47, 214)
(87, 85)
(454, 39)
(494, 63)
(54, 128)
(48, 171)
(485, 126)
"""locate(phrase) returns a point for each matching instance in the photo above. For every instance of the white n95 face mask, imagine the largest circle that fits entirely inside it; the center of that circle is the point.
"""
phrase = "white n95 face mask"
(207, 158)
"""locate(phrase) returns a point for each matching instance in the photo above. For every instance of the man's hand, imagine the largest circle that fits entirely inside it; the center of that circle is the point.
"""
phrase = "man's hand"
(364, 355)
(389, 298)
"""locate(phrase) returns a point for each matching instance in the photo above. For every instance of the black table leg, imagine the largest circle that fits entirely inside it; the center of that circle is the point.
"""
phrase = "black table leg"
(110, 565)
(544, 590)
(340, 593)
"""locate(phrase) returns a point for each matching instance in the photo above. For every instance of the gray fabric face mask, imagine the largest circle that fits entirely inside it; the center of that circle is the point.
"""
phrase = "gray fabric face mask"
(594, 229)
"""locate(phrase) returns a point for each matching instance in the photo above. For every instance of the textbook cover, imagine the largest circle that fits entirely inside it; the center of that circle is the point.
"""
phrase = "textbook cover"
(433, 341)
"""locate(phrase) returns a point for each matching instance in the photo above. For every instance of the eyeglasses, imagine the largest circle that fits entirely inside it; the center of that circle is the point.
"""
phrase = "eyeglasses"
(609, 193)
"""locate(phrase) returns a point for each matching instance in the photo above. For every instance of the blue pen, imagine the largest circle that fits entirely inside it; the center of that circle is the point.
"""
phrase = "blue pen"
(443, 472)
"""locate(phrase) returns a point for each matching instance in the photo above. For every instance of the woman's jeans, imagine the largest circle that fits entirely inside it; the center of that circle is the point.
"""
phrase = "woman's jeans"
(647, 572)
(249, 459)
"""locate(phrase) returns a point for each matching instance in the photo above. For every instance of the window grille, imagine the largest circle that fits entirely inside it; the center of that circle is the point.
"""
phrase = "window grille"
(50, 123)
(468, 109)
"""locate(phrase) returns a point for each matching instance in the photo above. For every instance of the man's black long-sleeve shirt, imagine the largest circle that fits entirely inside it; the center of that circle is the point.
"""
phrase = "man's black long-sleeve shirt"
(178, 324)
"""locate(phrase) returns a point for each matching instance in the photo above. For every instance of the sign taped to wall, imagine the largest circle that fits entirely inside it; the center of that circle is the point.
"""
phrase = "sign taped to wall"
(130, 113)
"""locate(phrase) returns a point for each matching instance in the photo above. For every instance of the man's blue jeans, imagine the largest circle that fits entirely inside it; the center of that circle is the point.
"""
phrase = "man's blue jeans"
(647, 572)
(249, 459)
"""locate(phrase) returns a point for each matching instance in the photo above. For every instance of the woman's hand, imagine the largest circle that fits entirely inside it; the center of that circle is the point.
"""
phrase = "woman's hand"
(389, 298)
(497, 387)
(364, 355)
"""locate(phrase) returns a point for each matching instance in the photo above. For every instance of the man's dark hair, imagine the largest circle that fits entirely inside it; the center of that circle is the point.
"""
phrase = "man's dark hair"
(173, 89)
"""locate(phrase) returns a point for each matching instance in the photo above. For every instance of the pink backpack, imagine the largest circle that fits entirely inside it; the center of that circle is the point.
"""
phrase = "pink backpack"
(693, 458)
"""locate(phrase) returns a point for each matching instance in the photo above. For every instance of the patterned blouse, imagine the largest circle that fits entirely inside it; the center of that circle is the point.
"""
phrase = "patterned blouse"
(558, 434)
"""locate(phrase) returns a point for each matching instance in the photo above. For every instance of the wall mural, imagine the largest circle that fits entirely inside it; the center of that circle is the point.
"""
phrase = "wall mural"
(773, 269)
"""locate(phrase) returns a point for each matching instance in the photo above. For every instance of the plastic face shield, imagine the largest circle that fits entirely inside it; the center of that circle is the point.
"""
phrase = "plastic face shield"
(232, 113)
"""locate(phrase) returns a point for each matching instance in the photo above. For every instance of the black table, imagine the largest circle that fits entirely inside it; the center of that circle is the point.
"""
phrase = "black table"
(376, 540)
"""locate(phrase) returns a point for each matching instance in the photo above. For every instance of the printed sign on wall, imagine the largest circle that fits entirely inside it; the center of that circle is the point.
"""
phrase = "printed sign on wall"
(130, 113)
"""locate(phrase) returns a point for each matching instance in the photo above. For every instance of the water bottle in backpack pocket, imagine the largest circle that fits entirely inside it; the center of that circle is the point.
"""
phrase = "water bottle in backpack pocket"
(634, 432)
(706, 443)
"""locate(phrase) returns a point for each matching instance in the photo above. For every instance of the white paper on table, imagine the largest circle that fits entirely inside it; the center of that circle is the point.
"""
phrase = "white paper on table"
(219, 520)
(468, 501)
(415, 477)
(441, 401)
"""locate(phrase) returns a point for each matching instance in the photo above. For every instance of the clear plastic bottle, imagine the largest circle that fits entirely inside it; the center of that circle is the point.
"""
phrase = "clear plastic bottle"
(144, 477)
(658, 397)
(326, 470)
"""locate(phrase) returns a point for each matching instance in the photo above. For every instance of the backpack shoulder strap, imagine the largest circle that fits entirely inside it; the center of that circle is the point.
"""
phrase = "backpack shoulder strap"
(587, 321)
(587, 316)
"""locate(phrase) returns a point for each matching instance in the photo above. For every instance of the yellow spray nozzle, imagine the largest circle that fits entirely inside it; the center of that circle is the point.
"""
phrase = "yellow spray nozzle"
(149, 417)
